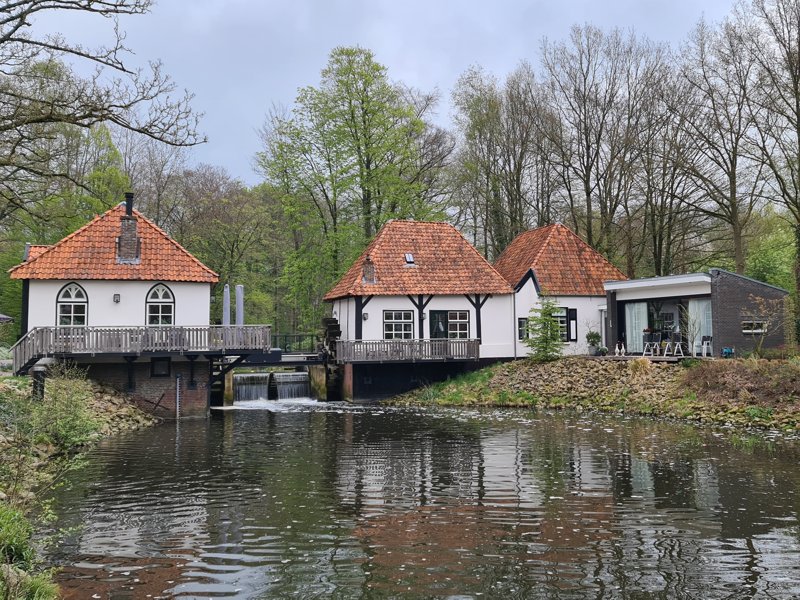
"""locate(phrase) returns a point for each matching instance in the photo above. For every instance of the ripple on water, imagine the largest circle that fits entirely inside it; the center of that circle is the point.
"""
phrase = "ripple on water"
(303, 499)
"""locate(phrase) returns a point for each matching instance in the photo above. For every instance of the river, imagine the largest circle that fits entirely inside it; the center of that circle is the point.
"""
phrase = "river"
(303, 500)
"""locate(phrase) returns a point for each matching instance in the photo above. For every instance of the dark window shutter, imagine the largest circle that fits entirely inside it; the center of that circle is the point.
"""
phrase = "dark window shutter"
(572, 318)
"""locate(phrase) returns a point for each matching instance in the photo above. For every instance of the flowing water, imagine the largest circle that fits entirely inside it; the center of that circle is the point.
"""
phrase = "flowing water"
(304, 500)
(279, 385)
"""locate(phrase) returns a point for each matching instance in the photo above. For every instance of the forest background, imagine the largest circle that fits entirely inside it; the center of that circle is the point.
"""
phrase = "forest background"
(665, 159)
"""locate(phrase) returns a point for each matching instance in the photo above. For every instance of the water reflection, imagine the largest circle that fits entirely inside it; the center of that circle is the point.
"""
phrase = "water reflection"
(335, 501)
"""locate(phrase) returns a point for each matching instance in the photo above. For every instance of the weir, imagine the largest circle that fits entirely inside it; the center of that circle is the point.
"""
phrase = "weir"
(270, 386)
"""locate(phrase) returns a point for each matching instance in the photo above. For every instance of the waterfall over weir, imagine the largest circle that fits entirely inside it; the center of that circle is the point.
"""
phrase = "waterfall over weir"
(270, 386)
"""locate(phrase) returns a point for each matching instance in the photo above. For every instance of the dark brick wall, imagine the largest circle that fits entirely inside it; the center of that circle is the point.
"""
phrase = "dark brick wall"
(148, 390)
(732, 302)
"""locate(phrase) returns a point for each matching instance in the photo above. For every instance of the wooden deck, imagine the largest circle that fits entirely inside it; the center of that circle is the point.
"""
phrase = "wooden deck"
(68, 341)
(378, 351)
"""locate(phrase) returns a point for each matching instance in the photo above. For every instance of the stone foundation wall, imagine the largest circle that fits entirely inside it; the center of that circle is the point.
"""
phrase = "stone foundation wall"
(156, 394)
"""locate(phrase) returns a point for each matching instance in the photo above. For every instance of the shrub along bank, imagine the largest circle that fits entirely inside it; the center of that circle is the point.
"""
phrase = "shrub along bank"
(747, 392)
(40, 442)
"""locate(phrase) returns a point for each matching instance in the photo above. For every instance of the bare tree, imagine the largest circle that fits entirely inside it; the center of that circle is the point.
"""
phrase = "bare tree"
(774, 43)
(722, 78)
(39, 93)
(597, 84)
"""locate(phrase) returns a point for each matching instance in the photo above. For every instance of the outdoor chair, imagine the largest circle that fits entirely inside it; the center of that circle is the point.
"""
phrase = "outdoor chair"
(674, 345)
(705, 345)
(652, 344)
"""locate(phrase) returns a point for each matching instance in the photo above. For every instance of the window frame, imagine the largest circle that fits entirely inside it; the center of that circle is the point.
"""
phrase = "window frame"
(522, 329)
(569, 327)
(61, 301)
(455, 333)
(754, 330)
(406, 325)
(161, 304)
(157, 364)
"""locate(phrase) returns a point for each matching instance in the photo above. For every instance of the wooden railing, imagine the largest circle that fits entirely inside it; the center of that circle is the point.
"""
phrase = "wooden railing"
(406, 350)
(50, 341)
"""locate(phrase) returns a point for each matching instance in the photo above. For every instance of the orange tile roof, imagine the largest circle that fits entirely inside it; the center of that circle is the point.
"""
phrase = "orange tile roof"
(444, 263)
(91, 253)
(35, 250)
(564, 265)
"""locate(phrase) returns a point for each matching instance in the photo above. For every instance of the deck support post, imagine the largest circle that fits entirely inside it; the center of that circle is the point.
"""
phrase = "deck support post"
(131, 374)
(192, 382)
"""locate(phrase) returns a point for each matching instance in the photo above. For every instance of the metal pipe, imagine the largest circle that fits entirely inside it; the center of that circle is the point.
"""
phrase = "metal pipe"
(226, 305)
(239, 305)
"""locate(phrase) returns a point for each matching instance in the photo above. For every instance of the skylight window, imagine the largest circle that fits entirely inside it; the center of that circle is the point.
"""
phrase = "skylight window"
(409, 258)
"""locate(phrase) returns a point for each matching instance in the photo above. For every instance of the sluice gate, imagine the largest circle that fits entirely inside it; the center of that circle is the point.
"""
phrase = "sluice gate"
(271, 386)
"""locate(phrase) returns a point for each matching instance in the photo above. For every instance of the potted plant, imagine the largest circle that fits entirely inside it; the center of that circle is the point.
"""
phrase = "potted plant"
(593, 339)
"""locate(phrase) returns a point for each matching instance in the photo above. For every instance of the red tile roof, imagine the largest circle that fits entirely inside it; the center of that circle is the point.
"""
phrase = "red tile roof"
(91, 253)
(444, 263)
(563, 263)
(35, 250)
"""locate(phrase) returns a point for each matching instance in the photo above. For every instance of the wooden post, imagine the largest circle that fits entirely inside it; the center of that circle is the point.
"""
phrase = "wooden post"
(227, 392)
(38, 376)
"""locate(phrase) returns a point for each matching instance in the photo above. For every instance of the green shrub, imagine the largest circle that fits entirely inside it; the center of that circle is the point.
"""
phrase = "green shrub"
(544, 333)
(18, 585)
(63, 418)
(15, 538)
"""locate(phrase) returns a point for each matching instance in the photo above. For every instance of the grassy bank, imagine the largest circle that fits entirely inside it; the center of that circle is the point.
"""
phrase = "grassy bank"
(40, 443)
(746, 392)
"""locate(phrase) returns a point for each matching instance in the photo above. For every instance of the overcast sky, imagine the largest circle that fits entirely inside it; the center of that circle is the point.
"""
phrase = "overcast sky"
(240, 57)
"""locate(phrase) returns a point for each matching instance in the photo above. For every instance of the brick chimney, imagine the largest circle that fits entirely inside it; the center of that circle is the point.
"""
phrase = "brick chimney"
(129, 245)
(368, 271)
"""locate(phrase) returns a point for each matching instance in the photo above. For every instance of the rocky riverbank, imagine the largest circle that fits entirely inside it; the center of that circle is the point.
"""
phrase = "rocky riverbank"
(40, 441)
(746, 392)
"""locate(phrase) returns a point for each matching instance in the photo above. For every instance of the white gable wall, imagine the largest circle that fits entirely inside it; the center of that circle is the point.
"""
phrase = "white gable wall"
(589, 316)
(192, 302)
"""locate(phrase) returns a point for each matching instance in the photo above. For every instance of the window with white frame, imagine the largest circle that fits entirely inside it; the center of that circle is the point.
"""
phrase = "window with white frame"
(72, 306)
(560, 316)
(458, 324)
(398, 324)
(160, 306)
(754, 327)
(522, 328)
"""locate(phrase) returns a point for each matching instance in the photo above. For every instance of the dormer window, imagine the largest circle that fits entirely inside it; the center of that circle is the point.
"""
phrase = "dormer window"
(409, 259)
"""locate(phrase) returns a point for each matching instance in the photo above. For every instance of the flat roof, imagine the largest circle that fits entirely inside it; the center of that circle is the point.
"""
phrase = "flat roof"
(665, 281)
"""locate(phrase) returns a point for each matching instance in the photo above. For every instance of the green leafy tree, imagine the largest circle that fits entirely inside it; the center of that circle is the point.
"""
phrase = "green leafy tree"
(354, 152)
(544, 333)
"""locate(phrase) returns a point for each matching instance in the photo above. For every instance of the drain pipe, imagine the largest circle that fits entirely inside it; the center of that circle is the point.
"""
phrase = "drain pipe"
(178, 396)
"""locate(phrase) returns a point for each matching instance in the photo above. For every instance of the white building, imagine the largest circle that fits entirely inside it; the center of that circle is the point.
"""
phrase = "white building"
(119, 270)
(420, 293)
(553, 261)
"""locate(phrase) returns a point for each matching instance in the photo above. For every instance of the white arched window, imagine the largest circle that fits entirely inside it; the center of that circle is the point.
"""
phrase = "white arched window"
(71, 306)
(160, 306)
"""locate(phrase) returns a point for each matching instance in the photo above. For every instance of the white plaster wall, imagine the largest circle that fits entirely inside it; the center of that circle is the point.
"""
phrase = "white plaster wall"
(589, 316)
(192, 302)
(497, 319)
